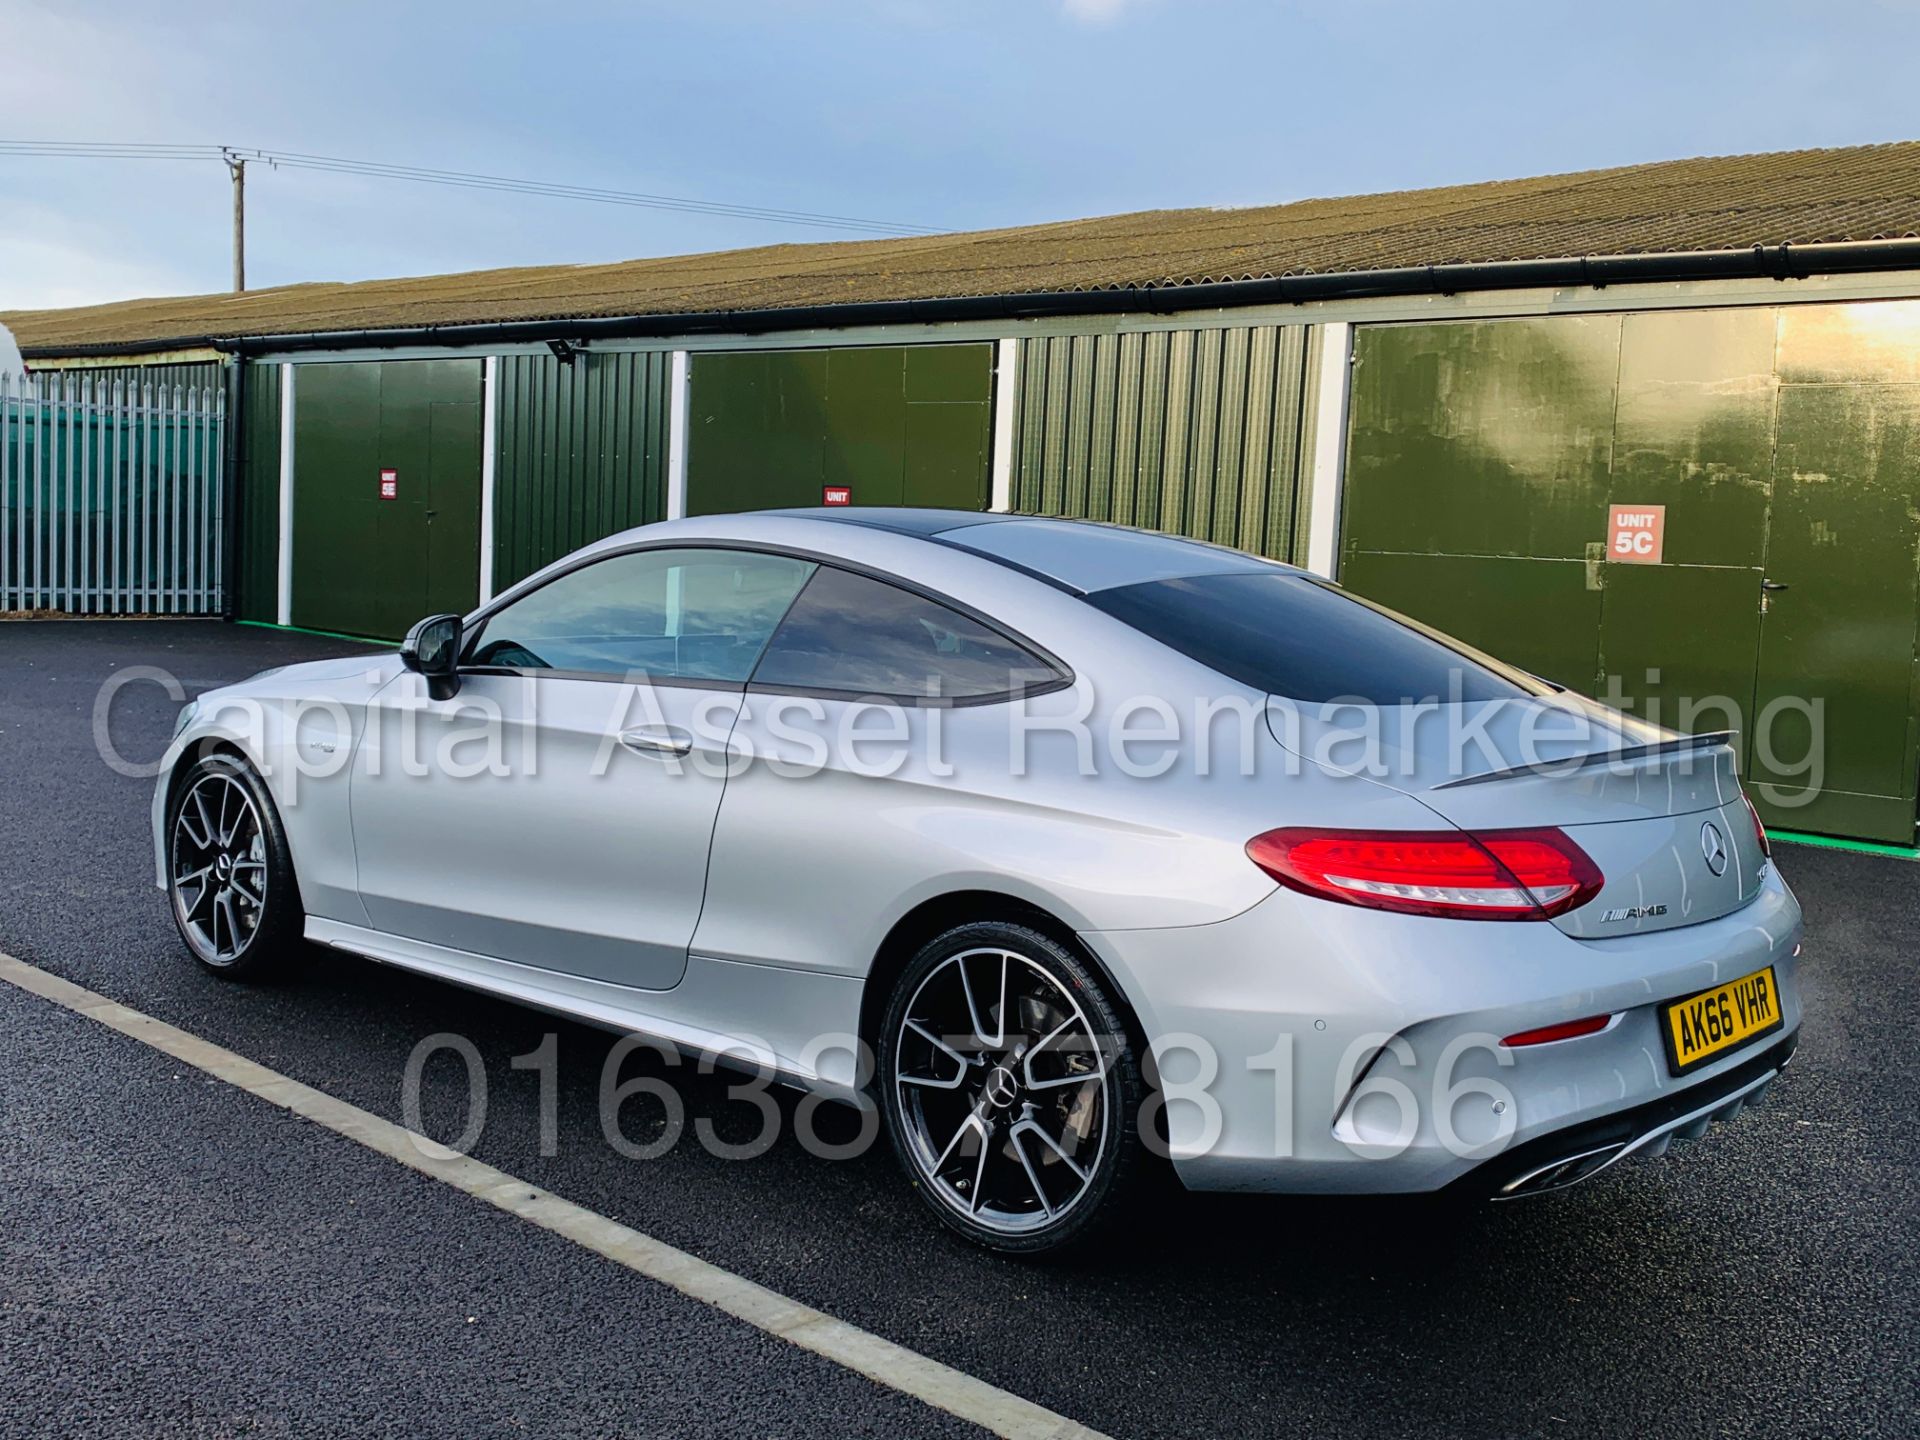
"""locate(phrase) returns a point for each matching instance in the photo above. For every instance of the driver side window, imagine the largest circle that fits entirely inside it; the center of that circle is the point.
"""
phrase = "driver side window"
(690, 614)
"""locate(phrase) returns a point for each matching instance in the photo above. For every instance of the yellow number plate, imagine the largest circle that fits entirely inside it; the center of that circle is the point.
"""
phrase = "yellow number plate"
(1709, 1024)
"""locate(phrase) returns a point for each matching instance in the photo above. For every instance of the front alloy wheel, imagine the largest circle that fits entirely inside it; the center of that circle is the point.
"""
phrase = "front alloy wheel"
(229, 881)
(1010, 1089)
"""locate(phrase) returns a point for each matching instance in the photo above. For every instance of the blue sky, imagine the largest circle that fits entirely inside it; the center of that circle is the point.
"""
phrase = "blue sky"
(951, 113)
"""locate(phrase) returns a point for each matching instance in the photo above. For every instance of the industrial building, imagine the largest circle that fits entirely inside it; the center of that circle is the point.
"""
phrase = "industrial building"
(1652, 432)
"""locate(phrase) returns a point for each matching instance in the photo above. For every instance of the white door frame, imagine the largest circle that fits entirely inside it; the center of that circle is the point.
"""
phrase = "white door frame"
(1006, 381)
(679, 394)
(1329, 449)
(283, 587)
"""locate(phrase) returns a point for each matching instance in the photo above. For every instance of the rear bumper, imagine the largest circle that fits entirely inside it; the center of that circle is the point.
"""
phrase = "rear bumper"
(1306, 1046)
(1579, 1152)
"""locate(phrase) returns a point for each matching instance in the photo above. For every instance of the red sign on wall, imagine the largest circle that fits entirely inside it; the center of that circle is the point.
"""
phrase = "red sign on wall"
(389, 484)
(1636, 534)
(836, 495)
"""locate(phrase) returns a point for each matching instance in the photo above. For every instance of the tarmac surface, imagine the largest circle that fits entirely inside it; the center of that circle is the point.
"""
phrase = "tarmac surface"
(178, 1257)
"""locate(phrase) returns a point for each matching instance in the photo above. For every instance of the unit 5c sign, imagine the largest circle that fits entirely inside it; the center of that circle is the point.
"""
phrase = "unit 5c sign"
(1636, 534)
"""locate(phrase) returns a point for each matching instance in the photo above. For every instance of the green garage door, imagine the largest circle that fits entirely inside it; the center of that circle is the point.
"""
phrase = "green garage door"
(1485, 457)
(1476, 460)
(1844, 534)
(892, 424)
(386, 493)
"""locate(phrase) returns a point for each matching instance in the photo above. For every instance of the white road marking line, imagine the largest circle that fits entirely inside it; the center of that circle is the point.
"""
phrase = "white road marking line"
(881, 1361)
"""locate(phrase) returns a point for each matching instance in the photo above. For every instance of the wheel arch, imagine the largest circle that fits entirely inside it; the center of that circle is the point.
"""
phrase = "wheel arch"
(941, 913)
(204, 747)
(199, 750)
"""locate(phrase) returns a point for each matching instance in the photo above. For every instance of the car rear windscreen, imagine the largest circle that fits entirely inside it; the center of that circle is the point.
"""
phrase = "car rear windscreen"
(1297, 638)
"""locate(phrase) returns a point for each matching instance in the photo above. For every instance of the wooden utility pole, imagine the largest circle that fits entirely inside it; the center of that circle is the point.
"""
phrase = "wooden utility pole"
(237, 168)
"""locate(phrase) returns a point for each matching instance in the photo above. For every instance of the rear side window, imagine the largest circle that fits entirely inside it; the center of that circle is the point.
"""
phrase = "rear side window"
(1305, 641)
(852, 635)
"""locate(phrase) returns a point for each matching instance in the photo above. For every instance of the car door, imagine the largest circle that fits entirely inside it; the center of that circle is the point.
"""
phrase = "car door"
(880, 713)
(558, 810)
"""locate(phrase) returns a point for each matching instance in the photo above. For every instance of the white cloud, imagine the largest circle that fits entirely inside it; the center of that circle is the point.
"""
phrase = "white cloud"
(47, 261)
(1096, 12)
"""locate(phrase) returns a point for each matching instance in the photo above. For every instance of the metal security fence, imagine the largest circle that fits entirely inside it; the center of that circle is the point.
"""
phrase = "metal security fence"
(113, 496)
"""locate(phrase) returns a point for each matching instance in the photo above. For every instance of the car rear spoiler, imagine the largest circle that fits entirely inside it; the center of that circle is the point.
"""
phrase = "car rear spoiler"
(1627, 755)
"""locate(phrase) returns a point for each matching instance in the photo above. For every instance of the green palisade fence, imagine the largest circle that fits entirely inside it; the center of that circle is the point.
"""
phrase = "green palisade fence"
(112, 496)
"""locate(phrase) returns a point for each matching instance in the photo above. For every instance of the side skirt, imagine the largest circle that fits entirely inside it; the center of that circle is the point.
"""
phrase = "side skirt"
(796, 1025)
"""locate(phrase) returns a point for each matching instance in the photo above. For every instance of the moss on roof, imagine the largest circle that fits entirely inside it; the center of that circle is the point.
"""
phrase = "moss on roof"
(1802, 197)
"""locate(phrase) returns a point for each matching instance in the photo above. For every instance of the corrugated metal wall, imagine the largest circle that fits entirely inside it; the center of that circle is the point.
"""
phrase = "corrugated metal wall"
(1195, 432)
(582, 452)
(193, 375)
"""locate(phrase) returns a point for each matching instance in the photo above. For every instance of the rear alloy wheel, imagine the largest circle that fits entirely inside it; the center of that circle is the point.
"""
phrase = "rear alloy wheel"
(229, 880)
(1011, 1091)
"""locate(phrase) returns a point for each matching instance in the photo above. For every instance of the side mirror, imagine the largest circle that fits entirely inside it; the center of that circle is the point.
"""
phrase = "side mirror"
(432, 649)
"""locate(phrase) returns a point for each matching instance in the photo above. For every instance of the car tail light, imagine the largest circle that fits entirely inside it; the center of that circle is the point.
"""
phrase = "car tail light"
(1493, 875)
(1759, 830)
(1565, 1030)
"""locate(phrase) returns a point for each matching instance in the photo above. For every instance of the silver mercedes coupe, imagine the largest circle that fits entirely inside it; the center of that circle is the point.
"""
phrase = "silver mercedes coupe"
(1075, 849)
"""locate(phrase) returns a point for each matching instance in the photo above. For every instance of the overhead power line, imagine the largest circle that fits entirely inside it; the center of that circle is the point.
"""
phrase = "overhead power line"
(460, 179)
(130, 150)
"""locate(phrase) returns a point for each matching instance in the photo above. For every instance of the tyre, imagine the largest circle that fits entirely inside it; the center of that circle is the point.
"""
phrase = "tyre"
(230, 882)
(1011, 1091)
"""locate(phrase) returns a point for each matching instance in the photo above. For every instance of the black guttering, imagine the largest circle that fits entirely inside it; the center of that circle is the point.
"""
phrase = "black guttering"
(1765, 262)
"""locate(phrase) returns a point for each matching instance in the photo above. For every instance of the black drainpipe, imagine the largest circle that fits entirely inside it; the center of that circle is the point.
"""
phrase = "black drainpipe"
(1765, 262)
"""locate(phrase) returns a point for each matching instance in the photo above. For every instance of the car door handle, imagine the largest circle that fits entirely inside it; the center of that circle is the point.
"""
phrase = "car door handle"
(1772, 585)
(662, 742)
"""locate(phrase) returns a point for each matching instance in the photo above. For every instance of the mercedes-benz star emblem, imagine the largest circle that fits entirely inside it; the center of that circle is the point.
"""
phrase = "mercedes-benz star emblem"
(1713, 845)
(1001, 1088)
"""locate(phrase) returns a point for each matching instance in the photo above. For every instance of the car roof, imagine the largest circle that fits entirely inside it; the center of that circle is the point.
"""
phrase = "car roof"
(922, 521)
(1079, 555)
